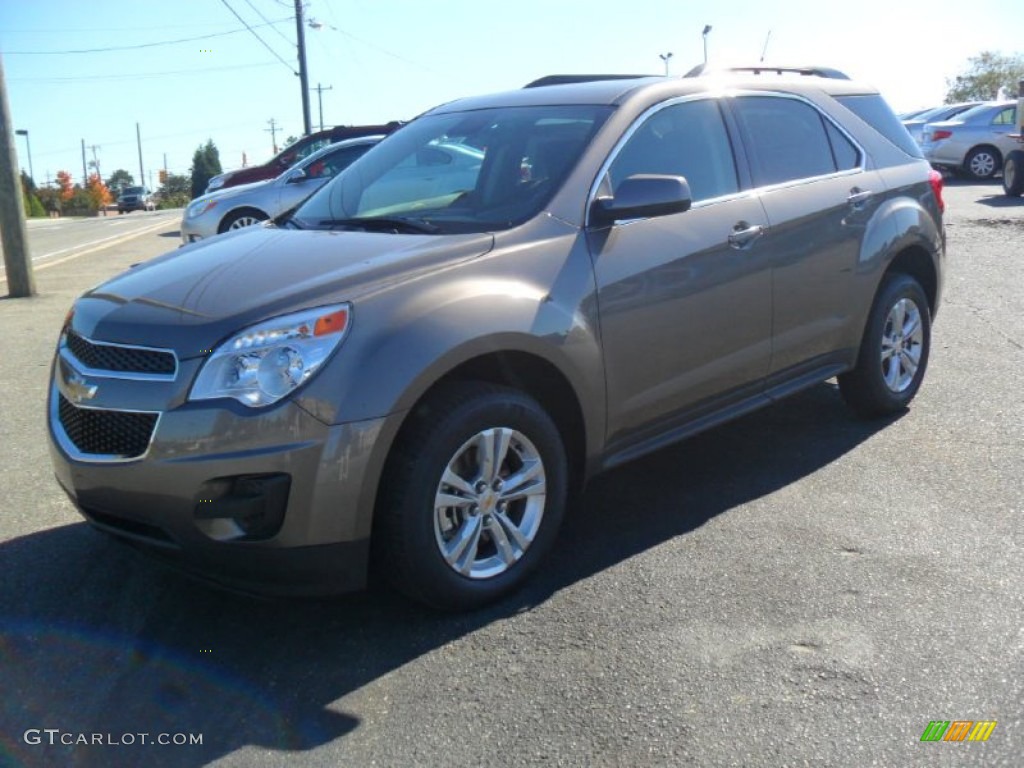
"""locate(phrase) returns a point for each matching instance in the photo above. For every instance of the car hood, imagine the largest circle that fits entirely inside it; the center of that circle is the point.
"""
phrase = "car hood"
(192, 299)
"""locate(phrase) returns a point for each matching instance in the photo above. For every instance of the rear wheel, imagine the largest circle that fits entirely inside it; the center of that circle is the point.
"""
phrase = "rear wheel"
(1013, 173)
(472, 498)
(894, 351)
(982, 162)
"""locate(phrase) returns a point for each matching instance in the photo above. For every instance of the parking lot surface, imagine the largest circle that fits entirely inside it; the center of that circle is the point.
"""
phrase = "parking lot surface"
(796, 588)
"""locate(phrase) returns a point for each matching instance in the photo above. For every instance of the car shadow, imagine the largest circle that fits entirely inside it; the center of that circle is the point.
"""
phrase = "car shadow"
(1001, 201)
(175, 233)
(97, 639)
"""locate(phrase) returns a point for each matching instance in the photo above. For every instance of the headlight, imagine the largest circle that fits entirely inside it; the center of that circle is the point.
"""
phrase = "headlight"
(265, 362)
(199, 207)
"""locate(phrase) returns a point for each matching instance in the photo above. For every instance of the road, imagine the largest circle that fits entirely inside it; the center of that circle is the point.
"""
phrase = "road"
(56, 240)
(796, 588)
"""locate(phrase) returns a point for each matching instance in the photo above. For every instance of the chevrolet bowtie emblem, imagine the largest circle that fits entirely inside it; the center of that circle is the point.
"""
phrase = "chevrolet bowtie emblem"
(78, 389)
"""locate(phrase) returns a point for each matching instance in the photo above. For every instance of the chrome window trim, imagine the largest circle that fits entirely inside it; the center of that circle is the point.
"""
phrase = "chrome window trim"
(68, 356)
(755, 190)
(71, 450)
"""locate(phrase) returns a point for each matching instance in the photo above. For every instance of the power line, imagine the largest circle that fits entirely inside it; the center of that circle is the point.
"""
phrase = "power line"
(145, 45)
(139, 75)
(281, 34)
(265, 45)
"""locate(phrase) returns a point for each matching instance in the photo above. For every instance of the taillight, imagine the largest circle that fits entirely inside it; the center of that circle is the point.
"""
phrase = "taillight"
(940, 135)
(936, 181)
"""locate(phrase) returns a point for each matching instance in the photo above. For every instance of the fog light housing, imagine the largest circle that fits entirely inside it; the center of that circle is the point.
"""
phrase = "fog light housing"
(243, 507)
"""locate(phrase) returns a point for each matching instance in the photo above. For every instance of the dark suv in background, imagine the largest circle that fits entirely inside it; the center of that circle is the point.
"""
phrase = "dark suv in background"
(295, 152)
(413, 371)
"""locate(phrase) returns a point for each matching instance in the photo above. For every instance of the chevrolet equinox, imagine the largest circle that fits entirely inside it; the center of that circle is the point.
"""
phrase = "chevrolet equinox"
(412, 371)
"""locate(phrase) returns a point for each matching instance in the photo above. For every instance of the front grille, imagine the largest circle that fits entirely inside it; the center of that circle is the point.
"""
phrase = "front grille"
(106, 357)
(107, 433)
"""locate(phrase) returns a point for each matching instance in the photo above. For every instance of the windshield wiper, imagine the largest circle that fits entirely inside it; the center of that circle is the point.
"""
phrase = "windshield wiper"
(384, 223)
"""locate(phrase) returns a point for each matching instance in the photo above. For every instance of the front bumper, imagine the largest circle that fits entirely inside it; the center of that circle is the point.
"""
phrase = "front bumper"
(169, 499)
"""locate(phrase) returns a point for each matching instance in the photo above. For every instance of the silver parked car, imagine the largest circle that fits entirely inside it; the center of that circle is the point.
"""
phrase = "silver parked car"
(974, 142)
(243, 206)
(916, 122)
(416, 369)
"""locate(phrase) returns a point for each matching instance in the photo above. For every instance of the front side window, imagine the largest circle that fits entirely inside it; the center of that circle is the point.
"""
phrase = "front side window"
(786, 137)
(687, 139)
(473, 171)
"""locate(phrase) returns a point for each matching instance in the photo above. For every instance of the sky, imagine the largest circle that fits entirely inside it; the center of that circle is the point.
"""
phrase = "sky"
(395, 59)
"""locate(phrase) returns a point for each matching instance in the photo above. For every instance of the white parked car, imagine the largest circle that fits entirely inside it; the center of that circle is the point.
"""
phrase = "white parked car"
(974, 142)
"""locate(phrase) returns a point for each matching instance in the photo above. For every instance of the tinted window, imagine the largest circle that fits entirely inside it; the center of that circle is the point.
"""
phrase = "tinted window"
(686, 139)
(843, 151)
(875, 112)
(787, 139)
(335, 162)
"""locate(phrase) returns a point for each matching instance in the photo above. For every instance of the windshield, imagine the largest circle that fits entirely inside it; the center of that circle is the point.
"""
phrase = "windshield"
(462, 172)
(132, 191)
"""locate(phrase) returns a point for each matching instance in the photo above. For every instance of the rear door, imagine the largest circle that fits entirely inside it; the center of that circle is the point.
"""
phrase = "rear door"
(819, 198)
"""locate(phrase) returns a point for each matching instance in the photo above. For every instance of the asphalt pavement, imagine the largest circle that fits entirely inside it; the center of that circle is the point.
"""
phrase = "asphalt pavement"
(795, 588)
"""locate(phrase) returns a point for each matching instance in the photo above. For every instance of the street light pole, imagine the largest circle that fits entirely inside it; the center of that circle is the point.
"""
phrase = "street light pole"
(665, 57)
(28, 146)
(707, 28)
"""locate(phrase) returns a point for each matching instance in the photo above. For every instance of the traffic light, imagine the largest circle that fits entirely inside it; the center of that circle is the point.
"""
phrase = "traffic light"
(163, 176)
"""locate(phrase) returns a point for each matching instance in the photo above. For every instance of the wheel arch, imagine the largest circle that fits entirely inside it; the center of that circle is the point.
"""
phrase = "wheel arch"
(916, 262)
(222, 226)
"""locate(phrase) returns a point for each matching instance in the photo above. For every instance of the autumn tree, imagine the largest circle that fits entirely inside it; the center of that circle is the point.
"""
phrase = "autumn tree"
(99, 194)
(986, 74)
(67, 186)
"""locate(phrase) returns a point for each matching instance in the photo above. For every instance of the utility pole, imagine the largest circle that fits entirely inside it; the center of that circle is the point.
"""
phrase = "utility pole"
(20, 280)
(272, 130)
(95, 161)
(300, 35)
(142, 176)
(319, 98)
(85, 173)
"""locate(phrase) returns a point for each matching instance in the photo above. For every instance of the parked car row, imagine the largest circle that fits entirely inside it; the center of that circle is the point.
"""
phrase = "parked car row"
(971, 138)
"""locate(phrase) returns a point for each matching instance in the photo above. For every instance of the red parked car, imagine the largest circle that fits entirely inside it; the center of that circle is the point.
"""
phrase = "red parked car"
(300, 149)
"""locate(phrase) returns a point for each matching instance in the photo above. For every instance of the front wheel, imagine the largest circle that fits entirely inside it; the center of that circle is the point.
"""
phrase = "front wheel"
(1013, 173)
(894, 351)
(472, 497)
(245, 218)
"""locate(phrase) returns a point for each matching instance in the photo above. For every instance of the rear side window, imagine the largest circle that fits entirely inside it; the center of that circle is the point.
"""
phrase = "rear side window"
(787, 139)
(845, 153)
(873, 110)
(1006, 117)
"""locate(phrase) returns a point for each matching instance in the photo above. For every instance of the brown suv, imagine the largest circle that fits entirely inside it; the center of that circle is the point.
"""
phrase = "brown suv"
(419, 366)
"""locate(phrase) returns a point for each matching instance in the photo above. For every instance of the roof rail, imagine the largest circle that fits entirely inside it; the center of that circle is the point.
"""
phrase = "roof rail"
(828, 72)
(564, 79)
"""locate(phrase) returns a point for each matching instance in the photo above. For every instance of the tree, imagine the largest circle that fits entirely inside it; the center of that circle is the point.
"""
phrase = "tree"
(986, 74)
(205, 165)
(175, 192)
(67, 187)
(99, 195)
(120, 179)
(289, 141)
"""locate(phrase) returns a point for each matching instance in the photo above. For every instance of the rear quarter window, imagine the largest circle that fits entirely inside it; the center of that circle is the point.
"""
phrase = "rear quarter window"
(872, 109)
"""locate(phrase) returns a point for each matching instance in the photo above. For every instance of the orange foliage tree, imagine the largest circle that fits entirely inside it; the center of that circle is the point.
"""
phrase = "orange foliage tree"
(67, 187)
(98, 192)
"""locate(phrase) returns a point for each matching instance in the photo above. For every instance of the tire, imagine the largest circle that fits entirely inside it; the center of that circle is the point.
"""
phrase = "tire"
(1013, 173)
(246, 217)
(439, 458)
(982, 163)
(892, 361)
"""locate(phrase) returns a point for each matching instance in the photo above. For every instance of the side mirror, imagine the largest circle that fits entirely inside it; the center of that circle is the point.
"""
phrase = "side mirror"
(297, 175)
(642, 196)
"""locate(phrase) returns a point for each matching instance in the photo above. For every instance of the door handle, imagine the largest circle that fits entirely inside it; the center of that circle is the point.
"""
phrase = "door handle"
(858, 197)
(743, 234)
